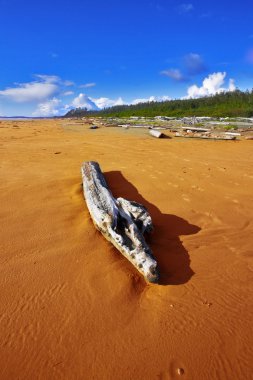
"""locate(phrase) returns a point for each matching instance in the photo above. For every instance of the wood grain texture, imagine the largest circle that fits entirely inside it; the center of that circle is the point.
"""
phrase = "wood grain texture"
(122, 222)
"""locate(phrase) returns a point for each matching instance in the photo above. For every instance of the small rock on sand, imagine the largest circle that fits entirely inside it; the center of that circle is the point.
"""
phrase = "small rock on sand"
(180, 371)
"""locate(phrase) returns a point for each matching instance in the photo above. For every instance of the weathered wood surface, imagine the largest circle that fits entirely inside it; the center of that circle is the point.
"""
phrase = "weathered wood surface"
(196, 129)
(205, 137)
(122, 222)
(232, 134)
(156, 133)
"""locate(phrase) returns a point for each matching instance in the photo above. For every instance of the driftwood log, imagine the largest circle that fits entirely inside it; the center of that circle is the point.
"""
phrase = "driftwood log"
(156, 133)
(122, 222)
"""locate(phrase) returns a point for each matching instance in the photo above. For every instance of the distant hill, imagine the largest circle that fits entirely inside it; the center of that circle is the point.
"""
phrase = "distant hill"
(231, 104)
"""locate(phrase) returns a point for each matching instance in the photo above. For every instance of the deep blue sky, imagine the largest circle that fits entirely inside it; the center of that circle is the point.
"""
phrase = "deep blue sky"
(128, 49)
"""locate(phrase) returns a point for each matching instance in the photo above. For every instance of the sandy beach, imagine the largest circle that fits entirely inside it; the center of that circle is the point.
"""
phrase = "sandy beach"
(72, 307)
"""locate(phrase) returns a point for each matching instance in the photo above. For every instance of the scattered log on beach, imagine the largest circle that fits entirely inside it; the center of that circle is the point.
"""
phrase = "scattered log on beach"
(120, 221)
(156, 133)
(195, 129)
(232, 134)
(205, 137)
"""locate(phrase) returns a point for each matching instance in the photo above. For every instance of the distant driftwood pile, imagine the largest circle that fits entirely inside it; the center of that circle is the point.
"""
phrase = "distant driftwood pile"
(122, 222)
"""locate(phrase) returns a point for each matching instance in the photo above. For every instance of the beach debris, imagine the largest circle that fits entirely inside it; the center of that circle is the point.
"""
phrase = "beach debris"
(180, 371)
(120, 221)
(205, 136)
(94, 127)
(196, 129)
(156, 133)
(207, 303)
(232, 133)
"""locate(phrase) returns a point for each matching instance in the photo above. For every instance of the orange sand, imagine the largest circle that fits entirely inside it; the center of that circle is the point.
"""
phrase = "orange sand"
(71, 307)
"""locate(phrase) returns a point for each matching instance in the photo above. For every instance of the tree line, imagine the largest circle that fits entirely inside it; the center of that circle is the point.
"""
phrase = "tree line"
(226, 104)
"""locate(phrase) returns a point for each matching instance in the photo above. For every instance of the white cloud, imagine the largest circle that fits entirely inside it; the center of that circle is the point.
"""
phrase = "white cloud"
(143, 100)
(55, 79)
(194, 64)
(48, 108)
(30, 92)
(163, 98)
(174, 74)
(106, 102)
(68, 83)
(83, 101)
(67, 93)
(185, 8)
(48, 78)
(151, 99)
(211, 85)
(119, 101)
(231, 86)
(87, 85)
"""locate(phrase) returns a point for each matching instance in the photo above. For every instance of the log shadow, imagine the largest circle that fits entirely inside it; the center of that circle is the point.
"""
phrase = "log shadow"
(173, 259)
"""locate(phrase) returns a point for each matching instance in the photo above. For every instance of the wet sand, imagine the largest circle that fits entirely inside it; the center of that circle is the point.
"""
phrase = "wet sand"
(72, 307)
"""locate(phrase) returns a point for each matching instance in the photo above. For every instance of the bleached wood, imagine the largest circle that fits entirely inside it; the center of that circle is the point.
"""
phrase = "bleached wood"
(232, 134)
(156, 133)
(122, 222)
(196, 129)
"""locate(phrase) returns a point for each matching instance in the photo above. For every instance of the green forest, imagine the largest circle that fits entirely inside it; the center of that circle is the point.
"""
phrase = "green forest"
(226, 104)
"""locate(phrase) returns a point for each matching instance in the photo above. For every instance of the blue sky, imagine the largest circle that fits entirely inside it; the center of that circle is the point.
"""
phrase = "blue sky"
(56, 55)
